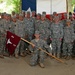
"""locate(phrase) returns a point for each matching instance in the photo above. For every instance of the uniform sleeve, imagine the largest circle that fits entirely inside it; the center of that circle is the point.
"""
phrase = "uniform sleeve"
(47, 47)
(72, 33)
(61, 31)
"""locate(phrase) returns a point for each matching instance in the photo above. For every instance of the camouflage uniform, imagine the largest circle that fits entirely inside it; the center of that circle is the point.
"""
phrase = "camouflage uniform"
(68, 40)
(29, 28)
(37, 23)
(56, 36)
(20, 31)
(37, 54)
(1, 38)
(44, 30)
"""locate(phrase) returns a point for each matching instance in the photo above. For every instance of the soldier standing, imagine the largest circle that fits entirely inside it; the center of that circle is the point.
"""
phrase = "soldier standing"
(56, 36)
(68, 39)
(20, 31)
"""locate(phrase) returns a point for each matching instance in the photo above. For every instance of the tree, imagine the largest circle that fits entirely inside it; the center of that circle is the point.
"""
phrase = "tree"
(16, 5)
(11, 5)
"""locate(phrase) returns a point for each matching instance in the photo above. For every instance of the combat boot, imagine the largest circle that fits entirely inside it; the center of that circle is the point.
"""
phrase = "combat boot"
(16, 56)
(41, 65)
(22, 55)
(68, 57)
(58, 55)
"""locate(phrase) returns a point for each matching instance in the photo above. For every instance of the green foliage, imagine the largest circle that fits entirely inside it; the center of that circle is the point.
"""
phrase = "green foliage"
(17, 5)
(12, 5)
(73, 2)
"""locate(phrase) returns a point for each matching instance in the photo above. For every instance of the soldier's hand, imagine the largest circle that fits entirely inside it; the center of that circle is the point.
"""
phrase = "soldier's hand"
(51, 39)
(60, 39)
(45, 38)
(33, 45)
(26, 36)
(72, 42)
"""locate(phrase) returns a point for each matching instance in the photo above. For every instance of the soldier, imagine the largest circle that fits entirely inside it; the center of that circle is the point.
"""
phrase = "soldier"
(37, 21)
(33, 15)
(20, 31)
(24, 13)
(1, 38)
(29, 26)
(37, 55)
(68, 39)
(44, 28)
(64, 19)
(13, 13)
(56, 36)
(17, 16)
(14, 19)
(46, 19)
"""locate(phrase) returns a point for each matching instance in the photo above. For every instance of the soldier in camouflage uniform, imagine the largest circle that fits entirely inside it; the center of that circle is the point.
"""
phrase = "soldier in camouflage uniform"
(14, 19)
(37, 55)
(20, 31)
(5, 28)
(29, 26)
(37, 21)
(24, 13)
(44, 28)
(1, 38)
(64, 20)
(56, 36)
(33, 16)
(68, 39)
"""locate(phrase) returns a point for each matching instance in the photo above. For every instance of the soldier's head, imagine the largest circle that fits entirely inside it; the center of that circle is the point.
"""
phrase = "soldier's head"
(17, 16)
(60, 16)
(28, 14)
(65, 15)
(13, 13)
(68, 22)
(24, 13)
(4, 16)
(21, 17)
(54, 13)
(37, 34)
(43, 17)
(9, 17)
(14, 18)
(44, 13)
(38, 16)
(33, 13)
(56, 19)
(51, 17)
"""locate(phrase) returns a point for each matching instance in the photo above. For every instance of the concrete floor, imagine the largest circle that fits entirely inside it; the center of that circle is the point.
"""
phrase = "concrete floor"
(13, 66)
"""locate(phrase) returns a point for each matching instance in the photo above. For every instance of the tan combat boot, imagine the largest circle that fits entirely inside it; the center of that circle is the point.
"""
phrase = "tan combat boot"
(22, 55)
(41, 65)
(58, 55)
(16, 56)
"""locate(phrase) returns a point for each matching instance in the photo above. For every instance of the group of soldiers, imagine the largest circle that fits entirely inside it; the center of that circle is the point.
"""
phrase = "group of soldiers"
(57, 32)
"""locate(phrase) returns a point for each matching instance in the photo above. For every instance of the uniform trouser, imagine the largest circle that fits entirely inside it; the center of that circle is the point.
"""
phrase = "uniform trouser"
(56, 45)
(20, 47)
(26, 45)
(67, 48)
(5, 51)
(37, 57)
(1, 45)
